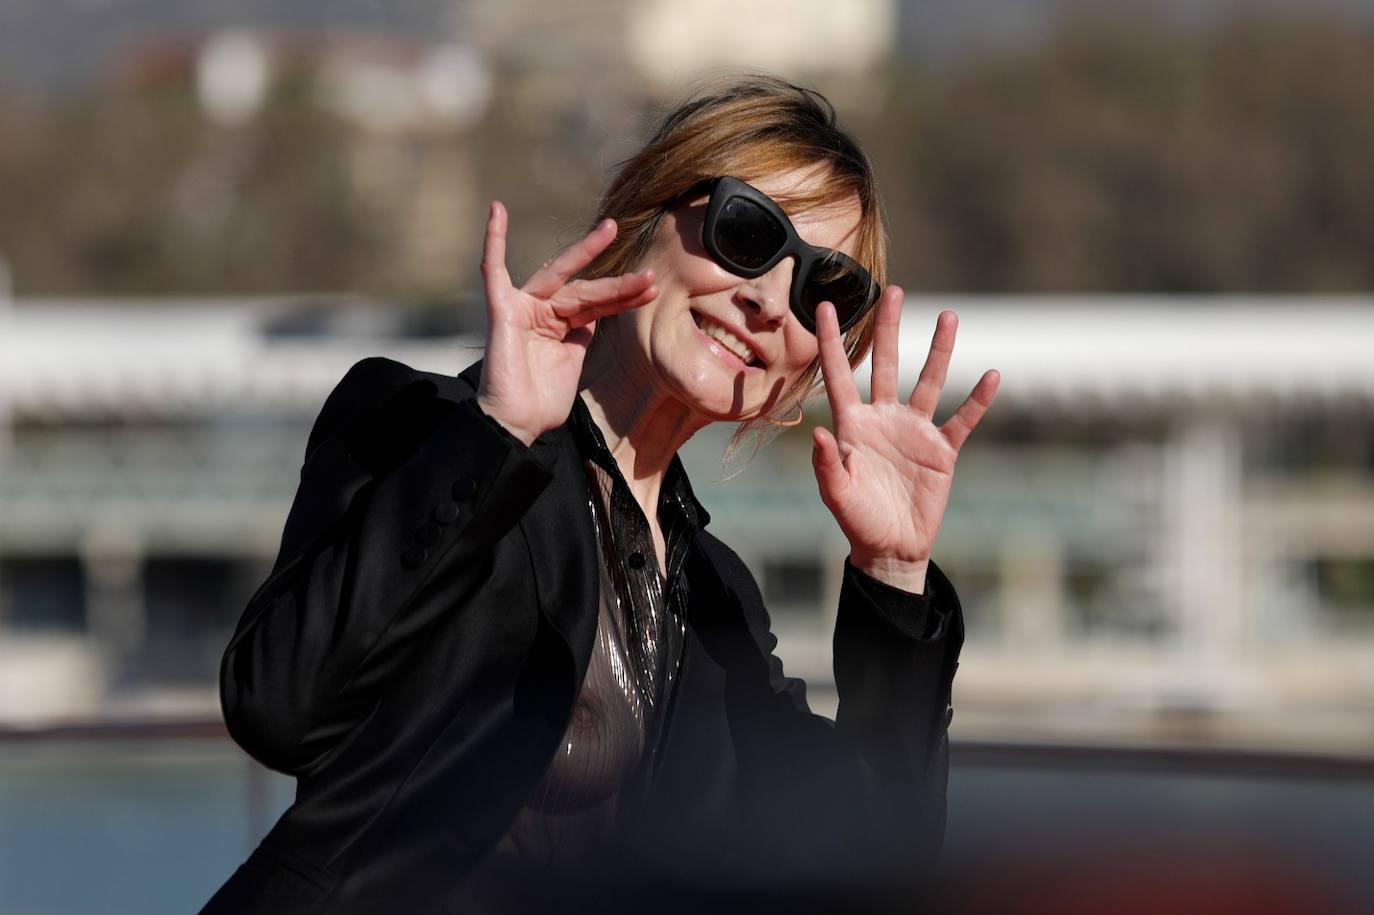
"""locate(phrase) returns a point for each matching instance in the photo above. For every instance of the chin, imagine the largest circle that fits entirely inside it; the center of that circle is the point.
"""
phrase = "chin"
(719, 395)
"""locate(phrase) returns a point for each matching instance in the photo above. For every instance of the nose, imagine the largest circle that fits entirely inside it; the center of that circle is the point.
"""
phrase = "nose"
(767, 298)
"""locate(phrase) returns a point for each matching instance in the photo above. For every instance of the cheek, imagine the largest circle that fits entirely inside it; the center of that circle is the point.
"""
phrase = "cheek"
(688, 274)
(802, 348)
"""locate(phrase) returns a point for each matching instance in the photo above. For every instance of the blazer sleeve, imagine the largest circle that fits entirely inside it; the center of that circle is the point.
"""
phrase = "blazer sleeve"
(862, 797)
(394, 476)
(895, 658)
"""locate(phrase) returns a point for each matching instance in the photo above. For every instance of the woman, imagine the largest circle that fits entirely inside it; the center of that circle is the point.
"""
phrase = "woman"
(505, 661)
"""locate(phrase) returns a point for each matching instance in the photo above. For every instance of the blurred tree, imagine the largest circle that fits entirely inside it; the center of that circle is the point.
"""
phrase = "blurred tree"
(1117, 156)
(1127, 157)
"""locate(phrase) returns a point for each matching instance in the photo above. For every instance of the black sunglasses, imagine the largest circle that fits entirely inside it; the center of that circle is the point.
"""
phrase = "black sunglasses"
(747, 233)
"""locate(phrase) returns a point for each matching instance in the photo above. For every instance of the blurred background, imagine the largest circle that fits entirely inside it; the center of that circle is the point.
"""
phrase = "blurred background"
(1155, 218)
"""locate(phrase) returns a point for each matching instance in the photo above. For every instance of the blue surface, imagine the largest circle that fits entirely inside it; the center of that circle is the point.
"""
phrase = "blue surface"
(154, 827)
(142, 829)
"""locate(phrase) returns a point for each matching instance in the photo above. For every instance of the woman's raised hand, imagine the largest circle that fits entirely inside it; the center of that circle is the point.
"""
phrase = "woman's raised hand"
(886, 471)
(537, 335)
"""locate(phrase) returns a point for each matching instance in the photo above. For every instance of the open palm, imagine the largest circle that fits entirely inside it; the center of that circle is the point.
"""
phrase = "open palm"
(537, 334)
(885, 472)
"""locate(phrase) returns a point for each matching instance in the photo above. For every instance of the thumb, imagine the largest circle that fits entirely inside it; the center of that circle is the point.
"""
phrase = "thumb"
(831, 475)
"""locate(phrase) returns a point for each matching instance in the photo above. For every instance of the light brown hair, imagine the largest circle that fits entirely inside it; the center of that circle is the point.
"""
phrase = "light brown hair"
(748, 128)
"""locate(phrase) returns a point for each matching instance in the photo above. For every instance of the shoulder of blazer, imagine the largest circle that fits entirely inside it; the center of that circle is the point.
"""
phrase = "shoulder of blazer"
(380, 406)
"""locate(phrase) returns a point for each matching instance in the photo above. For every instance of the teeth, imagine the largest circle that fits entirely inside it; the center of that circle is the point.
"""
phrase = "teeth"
(726, 339)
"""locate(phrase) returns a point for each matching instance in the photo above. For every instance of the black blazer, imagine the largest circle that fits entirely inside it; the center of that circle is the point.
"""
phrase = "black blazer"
(414, 655)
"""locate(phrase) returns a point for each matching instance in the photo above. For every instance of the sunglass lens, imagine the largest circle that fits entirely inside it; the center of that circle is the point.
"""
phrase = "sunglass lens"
(842, 283)
(747, 234)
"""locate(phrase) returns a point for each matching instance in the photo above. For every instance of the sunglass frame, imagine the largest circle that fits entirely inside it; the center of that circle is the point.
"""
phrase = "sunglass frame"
(726, 188)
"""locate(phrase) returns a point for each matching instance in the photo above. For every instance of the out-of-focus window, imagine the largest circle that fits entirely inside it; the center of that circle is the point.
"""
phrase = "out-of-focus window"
(792, 585)
(192, 606)
(44, 594)
(1105, 600)
(1344, 591)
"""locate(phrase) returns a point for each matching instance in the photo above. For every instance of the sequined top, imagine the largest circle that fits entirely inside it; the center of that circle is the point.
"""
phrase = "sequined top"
(611, 739)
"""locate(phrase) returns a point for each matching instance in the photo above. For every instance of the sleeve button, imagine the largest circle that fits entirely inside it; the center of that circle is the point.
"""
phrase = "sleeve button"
(636, 560)
(446, 513)
(414, 557)
(427, 534)
(464, 489)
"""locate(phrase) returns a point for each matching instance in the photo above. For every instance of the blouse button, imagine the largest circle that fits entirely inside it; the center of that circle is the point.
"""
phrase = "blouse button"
(445, 513)
(636, 560)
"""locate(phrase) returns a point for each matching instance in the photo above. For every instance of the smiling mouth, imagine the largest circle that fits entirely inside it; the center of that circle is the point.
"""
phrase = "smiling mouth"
(732, 344)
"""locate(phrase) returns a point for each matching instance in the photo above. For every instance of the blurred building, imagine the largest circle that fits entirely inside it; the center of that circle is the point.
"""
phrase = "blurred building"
(151, 450)
(1164, 531)
(630, 46)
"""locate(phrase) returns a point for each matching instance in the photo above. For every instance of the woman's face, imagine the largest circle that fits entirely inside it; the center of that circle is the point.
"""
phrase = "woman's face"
(726, 347)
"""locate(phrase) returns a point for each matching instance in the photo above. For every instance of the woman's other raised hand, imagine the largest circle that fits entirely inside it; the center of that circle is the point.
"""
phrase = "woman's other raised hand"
(537, 335)
(886, 471)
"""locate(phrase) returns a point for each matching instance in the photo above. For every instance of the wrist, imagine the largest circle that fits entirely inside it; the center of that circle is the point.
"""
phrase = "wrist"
(493, 412)
(905, 574)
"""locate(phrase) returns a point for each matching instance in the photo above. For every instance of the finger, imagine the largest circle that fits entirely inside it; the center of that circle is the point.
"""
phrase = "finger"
(583, 294)
(925, 397)
(831, 476)
(548, 278)
(957, 428)
(839, 378)
(601, 309)
(494, 248)
(885, 339)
